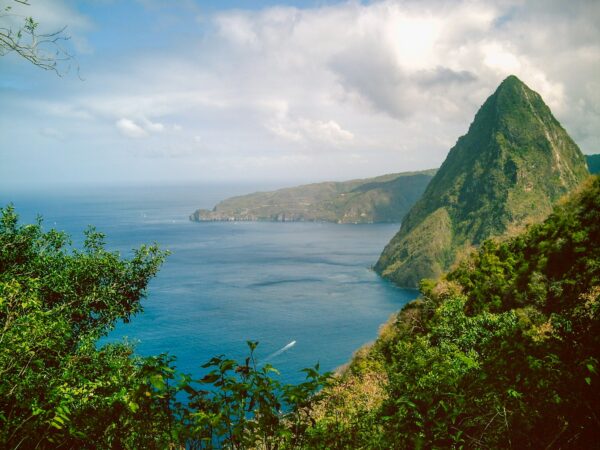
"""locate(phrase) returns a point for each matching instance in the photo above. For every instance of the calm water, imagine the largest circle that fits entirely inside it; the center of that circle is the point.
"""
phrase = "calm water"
(225, 283)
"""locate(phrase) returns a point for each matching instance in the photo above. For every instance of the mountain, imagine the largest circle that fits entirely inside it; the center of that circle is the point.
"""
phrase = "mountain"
(386, 198)
(593, 162)
(515, 161)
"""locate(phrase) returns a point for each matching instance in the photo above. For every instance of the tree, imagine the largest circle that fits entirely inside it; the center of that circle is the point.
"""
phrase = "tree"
(58, 387)
(20, 35)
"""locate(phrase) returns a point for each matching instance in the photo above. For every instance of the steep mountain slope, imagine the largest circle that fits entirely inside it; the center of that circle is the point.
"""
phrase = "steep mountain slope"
(382, 199)
(515, 161)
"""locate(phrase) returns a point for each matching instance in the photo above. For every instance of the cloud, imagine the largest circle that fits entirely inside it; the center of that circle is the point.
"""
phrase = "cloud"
(134, 130)
(130, 129)
(310, 131)
(155, 127)
(355, 88)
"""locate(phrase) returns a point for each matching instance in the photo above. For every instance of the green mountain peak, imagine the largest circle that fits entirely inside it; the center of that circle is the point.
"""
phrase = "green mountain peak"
(511, 81)
(515, 161)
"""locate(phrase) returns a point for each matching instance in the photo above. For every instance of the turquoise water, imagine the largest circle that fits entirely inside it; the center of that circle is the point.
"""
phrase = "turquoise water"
(225, 283)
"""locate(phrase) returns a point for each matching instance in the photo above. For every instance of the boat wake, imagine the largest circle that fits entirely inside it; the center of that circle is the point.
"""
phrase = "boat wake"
(279, 352)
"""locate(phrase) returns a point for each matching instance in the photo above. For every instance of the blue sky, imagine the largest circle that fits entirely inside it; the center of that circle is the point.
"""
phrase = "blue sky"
(282, 92)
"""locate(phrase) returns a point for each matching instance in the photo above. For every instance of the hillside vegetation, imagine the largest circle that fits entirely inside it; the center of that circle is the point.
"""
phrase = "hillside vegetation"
(382, 199)
(503, 352)
(515, 161)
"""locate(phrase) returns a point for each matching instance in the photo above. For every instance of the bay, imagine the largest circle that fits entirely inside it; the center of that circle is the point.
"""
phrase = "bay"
(305, 291)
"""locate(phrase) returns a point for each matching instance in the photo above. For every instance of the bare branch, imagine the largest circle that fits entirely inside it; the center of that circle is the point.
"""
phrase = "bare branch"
(44, 50)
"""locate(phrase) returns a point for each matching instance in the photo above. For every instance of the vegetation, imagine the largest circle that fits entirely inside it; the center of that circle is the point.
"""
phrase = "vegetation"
(382, 199)
(507, 171)
(503, 352)
(60, 388)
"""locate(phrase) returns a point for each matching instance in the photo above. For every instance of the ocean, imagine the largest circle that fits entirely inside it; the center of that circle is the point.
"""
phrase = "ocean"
(305, 291)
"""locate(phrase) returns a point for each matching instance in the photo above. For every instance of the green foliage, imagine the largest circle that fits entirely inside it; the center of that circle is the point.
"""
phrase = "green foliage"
(514, 163)
(382, 199)
(54, 304)
(58, 388)
(243, 406)
(422, 251)
(545, 267)
(504, 351)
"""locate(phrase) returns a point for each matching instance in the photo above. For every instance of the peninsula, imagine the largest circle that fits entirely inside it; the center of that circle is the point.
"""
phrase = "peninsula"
(386, 198)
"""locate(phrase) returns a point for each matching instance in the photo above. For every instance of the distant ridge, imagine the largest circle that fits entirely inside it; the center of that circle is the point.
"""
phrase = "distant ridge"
(515, 161)
(386, 198)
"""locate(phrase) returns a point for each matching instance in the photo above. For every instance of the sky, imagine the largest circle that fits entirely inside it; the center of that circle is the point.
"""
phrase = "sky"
(282, 92)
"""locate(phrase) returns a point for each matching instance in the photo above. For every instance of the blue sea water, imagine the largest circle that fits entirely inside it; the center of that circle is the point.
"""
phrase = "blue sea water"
(226, 283)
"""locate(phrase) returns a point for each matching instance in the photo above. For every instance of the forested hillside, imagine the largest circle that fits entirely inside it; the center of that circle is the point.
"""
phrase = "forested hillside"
(503, 352)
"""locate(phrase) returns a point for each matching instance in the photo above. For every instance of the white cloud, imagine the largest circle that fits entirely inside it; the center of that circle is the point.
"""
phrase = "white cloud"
(498, 58)
(309, 131)
(130, 129)
(140, 129)
(155, 127)
(280, 130)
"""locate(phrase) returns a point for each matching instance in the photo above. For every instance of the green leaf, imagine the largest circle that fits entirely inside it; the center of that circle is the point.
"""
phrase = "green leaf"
(157, 382)
(134, 407)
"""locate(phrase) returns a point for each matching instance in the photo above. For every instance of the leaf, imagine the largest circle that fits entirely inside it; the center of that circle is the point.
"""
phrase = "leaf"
(190, 390)
(157, 382)
(214, 361)
(514, 394)
(210, 378)
(226, 365)
(134, 407)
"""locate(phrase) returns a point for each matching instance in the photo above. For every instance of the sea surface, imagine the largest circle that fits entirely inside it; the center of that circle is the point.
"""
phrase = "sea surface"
(305, 291)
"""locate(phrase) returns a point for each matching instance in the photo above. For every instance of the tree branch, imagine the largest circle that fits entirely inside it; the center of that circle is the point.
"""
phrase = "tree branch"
(46, 50)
